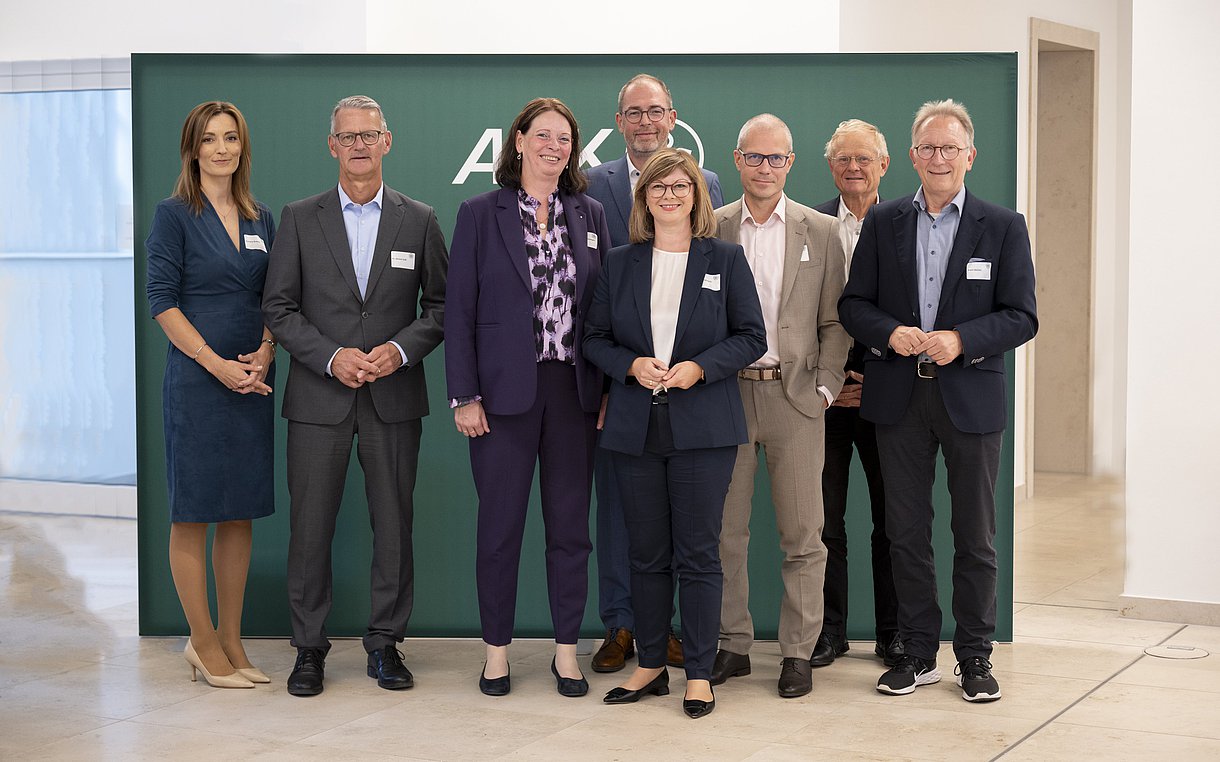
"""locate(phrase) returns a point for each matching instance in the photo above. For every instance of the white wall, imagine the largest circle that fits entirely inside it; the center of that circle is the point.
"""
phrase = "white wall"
(952, 25)
(1173, 483)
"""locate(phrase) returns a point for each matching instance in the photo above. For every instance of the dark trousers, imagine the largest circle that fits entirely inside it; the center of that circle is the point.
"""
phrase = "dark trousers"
(845, 431)
(673, 502)
(558, 435)
(908, 462)
(613, 564)
(318, 457)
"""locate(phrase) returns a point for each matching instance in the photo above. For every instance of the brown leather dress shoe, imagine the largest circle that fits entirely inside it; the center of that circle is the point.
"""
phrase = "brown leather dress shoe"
(618, 646)
(673, 651)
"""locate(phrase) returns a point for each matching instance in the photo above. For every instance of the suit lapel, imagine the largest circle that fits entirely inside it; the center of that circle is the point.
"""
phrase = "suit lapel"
(620, 189)
(508, 215)
(795, 241)
(729, 227)
(696, 267)
(387, 232)
(578, 239)
(641, 285)
(330, 218)
(969, 230)
(905, 232)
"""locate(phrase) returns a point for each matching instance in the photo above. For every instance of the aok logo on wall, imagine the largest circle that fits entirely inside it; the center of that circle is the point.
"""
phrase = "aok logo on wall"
(486, 152)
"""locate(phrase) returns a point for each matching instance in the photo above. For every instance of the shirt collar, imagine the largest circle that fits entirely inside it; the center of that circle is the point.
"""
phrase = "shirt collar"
(922, 205)
(781, 210)
(345, 200)
(532, 203)
(845, 214)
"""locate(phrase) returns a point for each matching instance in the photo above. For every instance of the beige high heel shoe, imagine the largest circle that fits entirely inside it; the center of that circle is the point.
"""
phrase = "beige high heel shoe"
(253, 674)
(235, 680)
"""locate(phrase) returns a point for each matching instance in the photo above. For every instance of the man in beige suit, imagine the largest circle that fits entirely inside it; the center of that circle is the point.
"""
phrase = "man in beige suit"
(796, 256)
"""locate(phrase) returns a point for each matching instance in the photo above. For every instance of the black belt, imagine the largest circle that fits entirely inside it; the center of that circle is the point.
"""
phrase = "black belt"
(661, 397)
(925, 369)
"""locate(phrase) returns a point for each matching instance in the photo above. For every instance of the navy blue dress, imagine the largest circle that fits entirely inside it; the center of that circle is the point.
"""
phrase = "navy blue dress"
(219, 445)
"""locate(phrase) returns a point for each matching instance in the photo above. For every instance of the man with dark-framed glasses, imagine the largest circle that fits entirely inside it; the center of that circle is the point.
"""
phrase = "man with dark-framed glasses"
(796, 257)
(355, 292)
(645, 117)
(941, 287)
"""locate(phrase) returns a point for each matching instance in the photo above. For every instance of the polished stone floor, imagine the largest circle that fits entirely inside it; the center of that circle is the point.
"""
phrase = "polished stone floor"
(77, 683)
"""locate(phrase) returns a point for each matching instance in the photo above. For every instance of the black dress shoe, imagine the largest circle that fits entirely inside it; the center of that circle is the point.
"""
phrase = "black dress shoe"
(307, 673)
(568, 686)
(890, 649)
(795, 677)
(827, 649)
(729, 664)
(494, 686)
(658, 686)
(696, 708)
(386, 665)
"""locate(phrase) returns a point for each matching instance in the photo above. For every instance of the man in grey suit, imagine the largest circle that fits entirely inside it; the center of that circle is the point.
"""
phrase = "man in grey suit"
(645, 116)
(355, 292)
(797, 259)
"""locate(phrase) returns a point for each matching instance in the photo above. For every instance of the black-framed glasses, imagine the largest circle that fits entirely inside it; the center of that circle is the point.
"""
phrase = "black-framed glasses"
(655, 114)
(680, 189)
(843, 162)
(776, 160)
(348, 139)
(926, 151)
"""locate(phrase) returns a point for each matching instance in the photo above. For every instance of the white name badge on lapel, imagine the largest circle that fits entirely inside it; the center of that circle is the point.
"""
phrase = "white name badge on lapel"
(804, 253)
(254, 243)
(403, 260)
(978, 271)
(711, 281)
(591, 239)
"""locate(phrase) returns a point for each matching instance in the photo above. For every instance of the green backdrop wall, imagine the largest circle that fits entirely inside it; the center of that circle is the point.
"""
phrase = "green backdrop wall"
(439, 108)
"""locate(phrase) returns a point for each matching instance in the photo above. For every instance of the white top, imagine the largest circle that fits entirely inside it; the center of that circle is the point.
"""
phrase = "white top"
(849, 232)
(764, 243)
(668, 275)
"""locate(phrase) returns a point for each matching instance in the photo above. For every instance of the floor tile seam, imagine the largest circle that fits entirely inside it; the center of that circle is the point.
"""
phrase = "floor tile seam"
(108, 722)
(1077, 702)
(1064, 605)
(1129, 729)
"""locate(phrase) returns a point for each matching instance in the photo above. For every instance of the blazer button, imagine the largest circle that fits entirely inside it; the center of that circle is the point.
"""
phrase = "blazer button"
(364, 315)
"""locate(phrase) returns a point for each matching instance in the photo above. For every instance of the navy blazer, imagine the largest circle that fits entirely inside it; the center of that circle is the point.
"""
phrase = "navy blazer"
(490, 347)
(721, 329)
(992, 315)
(610, 183)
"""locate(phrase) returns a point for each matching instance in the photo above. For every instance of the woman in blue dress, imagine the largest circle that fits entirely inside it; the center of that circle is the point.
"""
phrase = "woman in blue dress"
(207, 258)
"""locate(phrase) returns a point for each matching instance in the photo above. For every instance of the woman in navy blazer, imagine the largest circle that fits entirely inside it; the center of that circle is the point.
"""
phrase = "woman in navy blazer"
(675, 315)
(522, 267)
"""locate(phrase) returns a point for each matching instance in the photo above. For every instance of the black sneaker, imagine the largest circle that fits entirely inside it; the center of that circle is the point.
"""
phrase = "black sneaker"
(978, 684)
(910, 672)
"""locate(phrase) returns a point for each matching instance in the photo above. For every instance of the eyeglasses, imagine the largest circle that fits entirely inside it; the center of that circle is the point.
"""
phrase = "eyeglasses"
(348, 139)
(776, 160)
(655, 114)
(680, 189)
(948, 153)
(842, 162)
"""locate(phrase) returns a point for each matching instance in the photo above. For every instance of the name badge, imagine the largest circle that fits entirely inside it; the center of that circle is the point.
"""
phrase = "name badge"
(711, 281)
(592, 240)
(978, 271)
(254, 243)
(804, 253)
(403, 260)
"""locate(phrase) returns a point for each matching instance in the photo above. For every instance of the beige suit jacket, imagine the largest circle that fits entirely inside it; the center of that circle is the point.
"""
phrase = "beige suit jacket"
(812, 344)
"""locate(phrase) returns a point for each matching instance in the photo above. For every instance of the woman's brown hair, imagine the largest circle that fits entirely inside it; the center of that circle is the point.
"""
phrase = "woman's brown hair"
(662, 163)
(508, 167)
(188, 187)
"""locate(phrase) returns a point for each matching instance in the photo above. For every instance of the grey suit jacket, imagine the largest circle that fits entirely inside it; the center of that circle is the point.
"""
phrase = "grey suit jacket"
(812, 345)
(313, 306)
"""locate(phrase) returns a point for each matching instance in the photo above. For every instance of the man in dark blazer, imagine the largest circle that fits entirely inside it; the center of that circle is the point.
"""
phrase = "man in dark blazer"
(343, 283)
(858, 158)
(796, 257)
(941, 286)
(645, 117)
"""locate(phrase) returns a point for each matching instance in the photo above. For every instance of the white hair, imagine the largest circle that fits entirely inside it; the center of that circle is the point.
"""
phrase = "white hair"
(858, 126)
(949, 108)
(362, 102)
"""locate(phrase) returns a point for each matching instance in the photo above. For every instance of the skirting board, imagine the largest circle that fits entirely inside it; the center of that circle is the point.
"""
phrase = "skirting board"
(1168, 610)
(64, 498)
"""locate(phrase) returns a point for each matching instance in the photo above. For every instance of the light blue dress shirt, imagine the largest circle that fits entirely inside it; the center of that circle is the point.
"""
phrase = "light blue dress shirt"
(933, 245)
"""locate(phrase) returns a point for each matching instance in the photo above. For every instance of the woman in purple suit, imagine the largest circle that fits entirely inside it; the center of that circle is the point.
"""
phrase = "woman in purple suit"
(522, 268)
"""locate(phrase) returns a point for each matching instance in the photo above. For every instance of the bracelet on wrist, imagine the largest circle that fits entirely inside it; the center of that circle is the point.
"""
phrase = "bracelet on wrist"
(197, 351)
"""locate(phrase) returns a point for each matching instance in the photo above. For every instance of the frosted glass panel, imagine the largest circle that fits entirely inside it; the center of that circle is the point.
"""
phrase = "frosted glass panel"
(67, 406)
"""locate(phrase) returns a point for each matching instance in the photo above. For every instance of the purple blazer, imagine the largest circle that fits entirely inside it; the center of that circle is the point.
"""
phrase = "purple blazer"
(489, 307)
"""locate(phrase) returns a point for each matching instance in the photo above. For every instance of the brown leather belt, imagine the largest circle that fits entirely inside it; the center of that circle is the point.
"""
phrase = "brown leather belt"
(759, 374)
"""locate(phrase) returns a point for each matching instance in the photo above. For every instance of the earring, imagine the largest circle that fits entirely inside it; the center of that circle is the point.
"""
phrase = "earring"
(518, 157)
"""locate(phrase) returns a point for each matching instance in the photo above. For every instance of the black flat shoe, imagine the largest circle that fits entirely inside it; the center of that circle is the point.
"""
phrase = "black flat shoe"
(659, 686)
(567, 686)
(696, 708)
(494, 686)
